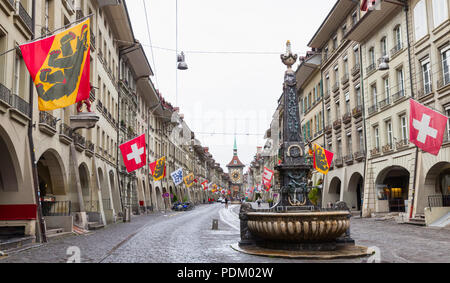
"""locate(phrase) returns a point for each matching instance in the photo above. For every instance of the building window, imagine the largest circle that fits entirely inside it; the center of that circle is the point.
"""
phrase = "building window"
(338, 111)
(347, 103)
(397, 38)
(447, 138)
(389, 133)
(17, 60)
(420, 20)
(426, 76)
(377, 137)
(440, 12)
(445, 55)
(356, 55)
(358, 95)
(354, 18)
(371, 56)
(361, 140)
(345, 65)
(386, 90)
(336, 74)
(404, 126)
(349, 145)
(374, 95)
(335, 42)
(400, 82)
(384, 47)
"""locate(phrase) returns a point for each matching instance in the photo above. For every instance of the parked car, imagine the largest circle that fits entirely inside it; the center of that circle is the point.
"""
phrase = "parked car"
(221, 199)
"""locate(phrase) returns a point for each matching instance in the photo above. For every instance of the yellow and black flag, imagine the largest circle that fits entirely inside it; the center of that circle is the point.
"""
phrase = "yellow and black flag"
(60, 67)
(322, 159)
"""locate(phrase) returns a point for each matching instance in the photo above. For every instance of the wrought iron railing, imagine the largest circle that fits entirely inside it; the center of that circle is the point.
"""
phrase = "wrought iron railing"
(5, 94)
(371, 68)
(396, 49)
(65, 130)
(335, 87)
(372, 109)
(20, 104)
(402, 144)
(23, 14)
(91, 206)
(345, 79)
(439, 201)
(107, 204)
(79, 140)
(348, 158)
(47, 119)
(398, 95)
(385, 102)
(356, 69)
(444, 81)
(56, 208)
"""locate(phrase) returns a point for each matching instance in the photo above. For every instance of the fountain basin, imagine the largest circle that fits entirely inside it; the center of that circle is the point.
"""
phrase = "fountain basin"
(299, 227)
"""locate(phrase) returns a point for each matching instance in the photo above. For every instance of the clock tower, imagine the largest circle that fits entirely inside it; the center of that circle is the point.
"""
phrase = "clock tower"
(235, 171)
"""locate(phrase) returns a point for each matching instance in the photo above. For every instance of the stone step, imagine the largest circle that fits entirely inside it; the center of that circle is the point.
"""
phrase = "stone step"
(16, 243)
(95, 225)
(416, 221)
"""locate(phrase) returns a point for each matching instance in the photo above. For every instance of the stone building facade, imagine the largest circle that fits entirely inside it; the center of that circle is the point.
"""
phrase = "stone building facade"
(79, 175)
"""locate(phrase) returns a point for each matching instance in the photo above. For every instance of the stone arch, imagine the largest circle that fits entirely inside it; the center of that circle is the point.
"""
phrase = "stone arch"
(83, 171)
(334, 190)
(436, 183)
(355, 191)
(388, 183)
(52, 174)
(10, 172)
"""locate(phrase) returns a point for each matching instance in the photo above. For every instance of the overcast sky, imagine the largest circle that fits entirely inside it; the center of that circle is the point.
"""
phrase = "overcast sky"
(225, 94)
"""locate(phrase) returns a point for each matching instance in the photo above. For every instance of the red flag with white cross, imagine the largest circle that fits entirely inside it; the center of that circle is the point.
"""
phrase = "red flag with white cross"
(133, 153)
(426, 127)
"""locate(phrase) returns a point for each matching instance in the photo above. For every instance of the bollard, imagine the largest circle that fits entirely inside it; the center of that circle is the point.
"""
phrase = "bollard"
(215, 224)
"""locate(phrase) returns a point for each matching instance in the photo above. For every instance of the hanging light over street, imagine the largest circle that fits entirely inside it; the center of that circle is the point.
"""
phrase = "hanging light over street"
(181, 62)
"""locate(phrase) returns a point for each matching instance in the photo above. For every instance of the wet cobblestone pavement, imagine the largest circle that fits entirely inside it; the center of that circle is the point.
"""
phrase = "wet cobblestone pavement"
(186, 237)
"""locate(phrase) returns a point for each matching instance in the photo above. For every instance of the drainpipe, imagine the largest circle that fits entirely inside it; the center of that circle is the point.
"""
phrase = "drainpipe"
(366, 163)
(42, 232)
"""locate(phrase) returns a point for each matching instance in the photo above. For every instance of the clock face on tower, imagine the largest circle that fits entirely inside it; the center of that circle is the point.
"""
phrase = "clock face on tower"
(235, 176)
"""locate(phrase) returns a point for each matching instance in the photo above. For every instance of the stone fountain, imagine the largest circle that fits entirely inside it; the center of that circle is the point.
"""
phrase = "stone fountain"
(295, 227)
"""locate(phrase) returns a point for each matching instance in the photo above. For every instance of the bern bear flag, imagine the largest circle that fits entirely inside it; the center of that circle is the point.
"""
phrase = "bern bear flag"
(60, 67)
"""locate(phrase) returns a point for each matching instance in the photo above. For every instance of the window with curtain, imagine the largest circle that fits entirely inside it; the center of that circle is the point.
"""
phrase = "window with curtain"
(420, 20)
(440, 11)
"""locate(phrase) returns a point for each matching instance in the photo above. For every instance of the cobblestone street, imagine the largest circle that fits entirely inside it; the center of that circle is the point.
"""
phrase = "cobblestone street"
(186, 237)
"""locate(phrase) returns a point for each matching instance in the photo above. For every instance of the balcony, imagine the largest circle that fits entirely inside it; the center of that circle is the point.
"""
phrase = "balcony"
(396, 49)
(402, 144)
(79, 141)
(388, 148)
(335, 87)
(360, 155)
(93, 41)
(348, 159)
(65, 134)
(47, 123)
(372, 109)
(375, 152)
(339, 161)
(384, 103)
(20, 110)
(328, 129)
(337, 124)
(399, 95)
(357, 111)
(425, 90)
(326, 95)
(5, 98)
(345, 79)
(92, 95)
(356, 70)
(90, 148)
(23, 16)
(372, 67)
(444, 81)
(347, 118)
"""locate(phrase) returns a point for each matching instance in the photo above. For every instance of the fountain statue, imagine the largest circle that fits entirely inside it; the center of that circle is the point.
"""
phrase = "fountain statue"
(294, 224)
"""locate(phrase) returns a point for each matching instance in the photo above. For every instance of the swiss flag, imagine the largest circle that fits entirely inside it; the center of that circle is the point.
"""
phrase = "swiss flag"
(133, 153)
(426, 127)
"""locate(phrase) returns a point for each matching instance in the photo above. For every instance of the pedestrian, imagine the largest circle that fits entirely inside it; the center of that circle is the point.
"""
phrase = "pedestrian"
(226, 203)
(259, 201)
